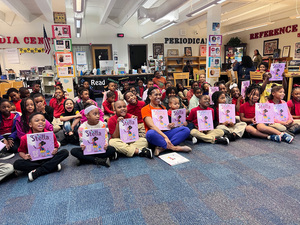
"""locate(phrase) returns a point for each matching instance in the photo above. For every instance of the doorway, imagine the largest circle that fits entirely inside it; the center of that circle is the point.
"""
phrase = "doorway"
(137, 56)
(101, 52)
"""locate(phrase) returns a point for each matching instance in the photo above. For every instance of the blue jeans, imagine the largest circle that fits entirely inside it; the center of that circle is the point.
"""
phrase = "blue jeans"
(67, 127)
(176, 136)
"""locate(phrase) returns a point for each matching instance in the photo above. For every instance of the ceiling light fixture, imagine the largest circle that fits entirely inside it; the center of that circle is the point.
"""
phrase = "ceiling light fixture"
(78, 5)
(160, 29)
(202, 9)
(297, 16)
(248, 28)
(221, 1)
(78, 23)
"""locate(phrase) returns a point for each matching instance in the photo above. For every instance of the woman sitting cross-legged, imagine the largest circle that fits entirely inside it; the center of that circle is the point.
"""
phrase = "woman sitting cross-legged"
(169, 139)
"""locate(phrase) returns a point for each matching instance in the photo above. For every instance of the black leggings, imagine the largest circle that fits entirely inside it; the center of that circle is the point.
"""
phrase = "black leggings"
(78, 153)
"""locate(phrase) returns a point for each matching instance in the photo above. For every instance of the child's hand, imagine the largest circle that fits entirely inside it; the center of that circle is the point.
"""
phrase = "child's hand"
(71, 133)
(6, 143)
(171, 125)
(254, 121)
(27, 156)
(231, 124)
(240, 98)
(54, 151)
(169, 143)
(120, 119)
(226, 123)
(82, 147)
(105, 147)
(40, 107)
(268, 75)
(78, 115)
(185, 124)
(133, 117)
(10, 143)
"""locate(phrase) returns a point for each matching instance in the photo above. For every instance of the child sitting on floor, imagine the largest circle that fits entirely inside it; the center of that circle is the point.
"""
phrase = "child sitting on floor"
(247, 114)
(84, 97)
(173, 105)
(24, 92)
(194, 102)
(57, 103)
(294, 103)
(211, 136)
(14, 95)
(112, 87)
(222, 88)
(138, 147)
(134, 107)
(86, 85)
(108, 105)
(172, 91)
(8, 131)
(237, 99)
(232, 131)
(93, 115)
(39, 167)
(40, 104)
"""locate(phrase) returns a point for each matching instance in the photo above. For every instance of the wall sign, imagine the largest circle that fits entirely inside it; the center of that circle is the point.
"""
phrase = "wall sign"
(26, 40)
(274, 32)
(59, 17)
(185, 40)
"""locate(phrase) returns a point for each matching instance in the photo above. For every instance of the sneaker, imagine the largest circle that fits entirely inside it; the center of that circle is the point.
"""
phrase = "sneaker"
(116, 156)
(33, 175)
(194, 140)
(274, 137)
(102, 162)
(6, 155)
(146, 152)
(230, 136)
(222, 140)
(58, 167)
(295, 129)
(287, 138)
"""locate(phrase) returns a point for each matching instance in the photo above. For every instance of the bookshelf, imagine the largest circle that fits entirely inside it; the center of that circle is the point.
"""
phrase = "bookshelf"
(177, 63)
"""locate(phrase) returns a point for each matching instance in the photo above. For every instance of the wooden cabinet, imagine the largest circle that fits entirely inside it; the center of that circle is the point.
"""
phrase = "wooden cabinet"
(177, 63)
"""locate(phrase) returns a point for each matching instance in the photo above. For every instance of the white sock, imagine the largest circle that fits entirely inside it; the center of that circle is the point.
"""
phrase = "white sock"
(140, 151)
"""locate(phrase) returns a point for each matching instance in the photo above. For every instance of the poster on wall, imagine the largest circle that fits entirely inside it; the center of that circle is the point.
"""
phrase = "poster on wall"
(59, 17)
(65, 71)
(61, 31)
(64, 58)
(215, 39)
(215, 26)
(297, 50)
(214, 51)
(67, 83)
(214, 62)
(158, 49)
(213, 73)
(202, 50)
(81, 58)
(12, 55)
(270, 46)
(62, 45)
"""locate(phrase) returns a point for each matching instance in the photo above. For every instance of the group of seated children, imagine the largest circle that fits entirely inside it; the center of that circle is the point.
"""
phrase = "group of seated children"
(165, 118)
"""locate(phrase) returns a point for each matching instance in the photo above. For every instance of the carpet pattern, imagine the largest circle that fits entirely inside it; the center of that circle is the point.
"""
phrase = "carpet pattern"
(251, 181)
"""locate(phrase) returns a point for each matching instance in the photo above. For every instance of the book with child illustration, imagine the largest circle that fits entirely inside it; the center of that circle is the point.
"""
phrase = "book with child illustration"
(173, 158)
(281, 112)
(264, 112)
(205, 121)
(94, 141)
(245, 85)
(129, 131)
(160, 119)
(40, 145)
(2, 145)
(210, 93)
(226, 113)
(276, 71)
(178, 117)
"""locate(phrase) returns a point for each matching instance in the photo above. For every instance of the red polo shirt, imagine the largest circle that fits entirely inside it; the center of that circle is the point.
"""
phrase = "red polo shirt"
(193, 115)
(136, 110)
(58, 108)
(7, 124)
(248, 110)
(107, 107)
(112, 122)
(18, 106)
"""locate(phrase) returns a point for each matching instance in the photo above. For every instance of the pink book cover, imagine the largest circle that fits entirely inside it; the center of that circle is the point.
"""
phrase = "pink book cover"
(245, 85)
(178, 117)
(277, 70)
(40, 145)
(226, 113)
(264, 112)
(94, 141)
(129, 131)
(211, 91)
(281, 112)
(205, 121)
(160, 118)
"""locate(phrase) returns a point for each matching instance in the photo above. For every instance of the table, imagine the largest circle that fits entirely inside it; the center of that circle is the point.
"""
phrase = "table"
(290, 76)
(100, 82)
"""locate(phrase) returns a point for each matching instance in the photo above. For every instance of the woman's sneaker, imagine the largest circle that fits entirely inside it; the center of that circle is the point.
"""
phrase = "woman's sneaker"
(274, 137)
(287, 138)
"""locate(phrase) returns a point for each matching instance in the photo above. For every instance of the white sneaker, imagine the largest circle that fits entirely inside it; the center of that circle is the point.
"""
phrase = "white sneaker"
(32, 175)
(194, 140)
(58, 167)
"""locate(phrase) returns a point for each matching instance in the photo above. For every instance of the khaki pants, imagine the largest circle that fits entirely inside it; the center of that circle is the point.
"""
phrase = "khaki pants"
(278, 127)
(297, 121)
(56, 124)
(142, 131)
(5, 170)
(238, 128)
(128, 149)
(209, 136)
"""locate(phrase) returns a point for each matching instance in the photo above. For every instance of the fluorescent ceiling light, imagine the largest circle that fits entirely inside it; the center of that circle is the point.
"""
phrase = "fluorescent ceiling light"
(78, 23)
(202, 9)
(78, 6)
(78, 35)
(160, 29)
(221, 1)
(248, 28)
(295, 16)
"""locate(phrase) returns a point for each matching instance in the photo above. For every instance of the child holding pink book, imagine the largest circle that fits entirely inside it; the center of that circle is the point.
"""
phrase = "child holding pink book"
(247, 114)
(232, 130)
(276, 97)
(38, 168)
(294, 103)
(139, 147)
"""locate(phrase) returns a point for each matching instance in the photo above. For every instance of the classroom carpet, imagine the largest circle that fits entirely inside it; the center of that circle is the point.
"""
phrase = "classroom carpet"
(250, 181)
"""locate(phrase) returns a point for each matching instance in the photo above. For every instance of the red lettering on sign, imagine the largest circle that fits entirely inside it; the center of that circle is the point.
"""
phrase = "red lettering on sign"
(16, 41)
(8, 40)
(295, 28)
(40, 40)
(288, 29)
(32, 40)
(26, 40)
(2, 40)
